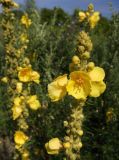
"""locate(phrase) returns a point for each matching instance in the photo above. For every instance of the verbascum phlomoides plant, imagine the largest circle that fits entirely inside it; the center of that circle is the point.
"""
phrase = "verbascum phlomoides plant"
(19, 76)
(85, 80)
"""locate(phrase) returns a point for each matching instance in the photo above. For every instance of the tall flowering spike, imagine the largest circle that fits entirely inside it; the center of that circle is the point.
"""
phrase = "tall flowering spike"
(57, 88)
(18, 75)
(85, 80)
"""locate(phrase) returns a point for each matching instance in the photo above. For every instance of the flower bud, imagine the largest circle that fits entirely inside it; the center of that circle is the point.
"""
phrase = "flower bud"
(75, 59)
(91, 8)
(86, 55)
(80, 132)
(90, 65)
(19, 87)
(4, 79)
(66, 145)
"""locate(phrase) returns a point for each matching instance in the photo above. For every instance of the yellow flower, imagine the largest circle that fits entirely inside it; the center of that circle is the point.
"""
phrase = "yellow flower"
(53, 146)
(17, 110)
(57, 89)
(25, 20)
(17, 101)
(24, 74)
(20, 138)
(27, 75)
(82, 16)
(33, 102)
(93, 20)
(97, 85)
(19, 87)
(79, 85)
(24, 38)
(35, 77)
(87, 14)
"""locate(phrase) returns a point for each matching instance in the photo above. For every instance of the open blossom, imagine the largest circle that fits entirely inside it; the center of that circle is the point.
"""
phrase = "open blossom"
(35, 77)
(93, 19)
(33, 102)
(79, 85)
(17, 111)
(17, 107)
(20, 138)
(25, 20)
(27, 74)
(57, 88)
(17, 101)
(53, 146)
(24, 74)
(82, 16)
(97, 75)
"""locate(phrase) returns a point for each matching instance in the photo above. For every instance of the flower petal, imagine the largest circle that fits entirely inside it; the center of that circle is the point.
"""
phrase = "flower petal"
(97, 74)
(97, 88)
(56, 92)
(62, 80)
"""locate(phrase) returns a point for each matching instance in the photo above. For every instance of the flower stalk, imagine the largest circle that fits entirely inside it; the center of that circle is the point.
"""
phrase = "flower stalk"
(19, 77)
(85, 80)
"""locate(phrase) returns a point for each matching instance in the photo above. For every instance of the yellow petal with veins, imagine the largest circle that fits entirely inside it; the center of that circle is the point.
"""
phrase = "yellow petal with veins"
(97, 74)
(97, 88)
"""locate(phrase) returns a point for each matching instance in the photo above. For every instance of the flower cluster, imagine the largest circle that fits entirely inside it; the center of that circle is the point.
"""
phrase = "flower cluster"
(91, 16)
(24, 99)
(80, 85)
(21, 102)
(27, 75)
(26, 21)
(55, 145)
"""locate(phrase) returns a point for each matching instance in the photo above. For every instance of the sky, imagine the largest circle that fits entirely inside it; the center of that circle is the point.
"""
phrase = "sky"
(70, 5)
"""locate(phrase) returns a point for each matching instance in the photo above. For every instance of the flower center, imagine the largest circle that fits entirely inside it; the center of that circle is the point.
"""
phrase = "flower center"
(80, 81)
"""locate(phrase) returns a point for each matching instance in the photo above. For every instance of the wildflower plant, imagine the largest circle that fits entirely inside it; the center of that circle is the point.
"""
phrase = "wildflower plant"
(85, 80)
(19, 77)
